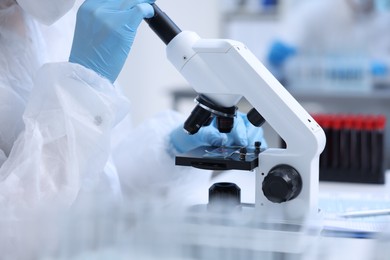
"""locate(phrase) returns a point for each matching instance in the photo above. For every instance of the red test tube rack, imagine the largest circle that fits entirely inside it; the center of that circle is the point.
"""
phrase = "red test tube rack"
(354, 150)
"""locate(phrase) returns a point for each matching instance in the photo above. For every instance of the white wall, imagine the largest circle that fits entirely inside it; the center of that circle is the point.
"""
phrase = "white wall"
(147, 75)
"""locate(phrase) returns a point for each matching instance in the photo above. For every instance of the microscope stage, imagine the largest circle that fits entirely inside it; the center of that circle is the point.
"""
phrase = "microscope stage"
(220, 158)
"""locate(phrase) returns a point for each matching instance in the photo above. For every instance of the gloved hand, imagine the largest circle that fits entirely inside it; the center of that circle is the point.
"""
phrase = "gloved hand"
(242, 134)
(379, 68)
(105, 31)
(279, 52)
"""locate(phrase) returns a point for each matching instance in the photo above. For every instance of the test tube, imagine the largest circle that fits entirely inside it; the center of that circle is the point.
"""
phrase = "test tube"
(355, 145)
(366, 149)
(345, 141)
(336, 130)
(377, 144)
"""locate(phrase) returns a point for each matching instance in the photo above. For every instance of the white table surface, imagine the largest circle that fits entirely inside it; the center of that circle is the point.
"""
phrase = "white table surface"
(329, 247)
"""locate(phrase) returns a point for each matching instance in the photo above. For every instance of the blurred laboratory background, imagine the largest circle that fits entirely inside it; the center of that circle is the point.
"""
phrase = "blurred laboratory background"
(332, 55)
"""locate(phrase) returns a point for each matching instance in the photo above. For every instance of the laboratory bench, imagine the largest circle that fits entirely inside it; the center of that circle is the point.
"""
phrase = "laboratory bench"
(154, 234)
(226, 239)
(359, 238)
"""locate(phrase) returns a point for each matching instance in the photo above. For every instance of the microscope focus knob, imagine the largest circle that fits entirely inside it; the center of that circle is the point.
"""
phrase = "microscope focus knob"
(282, 183)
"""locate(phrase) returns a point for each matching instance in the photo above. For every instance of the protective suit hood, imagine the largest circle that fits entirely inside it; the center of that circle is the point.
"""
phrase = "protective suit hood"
(46, 11)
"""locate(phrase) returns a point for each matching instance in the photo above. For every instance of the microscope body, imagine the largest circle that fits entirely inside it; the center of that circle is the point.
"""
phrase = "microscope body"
(225, 71)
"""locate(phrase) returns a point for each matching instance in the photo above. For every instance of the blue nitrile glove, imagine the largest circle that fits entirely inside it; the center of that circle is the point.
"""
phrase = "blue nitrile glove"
(279, 52)
(242, 134)
(379, 68)
(105, 31)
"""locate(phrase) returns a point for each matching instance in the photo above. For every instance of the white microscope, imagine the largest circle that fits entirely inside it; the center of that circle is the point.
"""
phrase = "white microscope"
(222, 72)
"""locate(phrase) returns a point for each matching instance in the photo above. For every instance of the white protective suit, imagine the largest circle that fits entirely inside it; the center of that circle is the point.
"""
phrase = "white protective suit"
(67, 143)
(65, 131)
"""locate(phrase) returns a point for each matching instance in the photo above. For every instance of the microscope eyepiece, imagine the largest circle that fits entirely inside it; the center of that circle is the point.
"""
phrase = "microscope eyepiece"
(162, 25)
(206, 109)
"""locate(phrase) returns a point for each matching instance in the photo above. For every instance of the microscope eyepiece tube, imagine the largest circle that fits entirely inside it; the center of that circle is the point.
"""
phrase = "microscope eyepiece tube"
(162, 25)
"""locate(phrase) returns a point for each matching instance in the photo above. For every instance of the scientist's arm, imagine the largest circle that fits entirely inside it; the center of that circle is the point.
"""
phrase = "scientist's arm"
(72, 110)
(104, 33)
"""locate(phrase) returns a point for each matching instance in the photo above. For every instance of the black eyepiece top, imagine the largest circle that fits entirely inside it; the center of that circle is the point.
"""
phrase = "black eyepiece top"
(162, 25)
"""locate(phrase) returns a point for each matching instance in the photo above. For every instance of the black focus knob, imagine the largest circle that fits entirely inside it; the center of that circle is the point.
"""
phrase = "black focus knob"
(282, 183)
